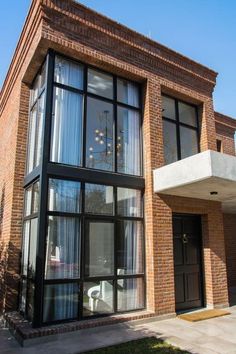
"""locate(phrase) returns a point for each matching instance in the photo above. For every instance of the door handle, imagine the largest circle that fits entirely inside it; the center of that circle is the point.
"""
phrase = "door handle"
(185, 238)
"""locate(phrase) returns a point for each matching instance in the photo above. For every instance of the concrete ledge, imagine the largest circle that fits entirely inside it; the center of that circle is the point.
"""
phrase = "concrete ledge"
(27, 336)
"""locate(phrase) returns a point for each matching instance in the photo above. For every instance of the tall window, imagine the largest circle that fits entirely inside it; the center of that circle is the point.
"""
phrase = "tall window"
(29, 247)
(36, 121)
(94, 250)
(83, 254)
(95, 115)
(180, 129)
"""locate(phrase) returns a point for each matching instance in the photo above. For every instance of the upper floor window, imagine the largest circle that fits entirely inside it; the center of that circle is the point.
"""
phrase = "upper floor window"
(36, 121)
(180, 129)
(96, 119)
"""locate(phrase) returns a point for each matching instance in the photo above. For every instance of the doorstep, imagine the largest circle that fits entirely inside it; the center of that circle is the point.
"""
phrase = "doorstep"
(26, 335)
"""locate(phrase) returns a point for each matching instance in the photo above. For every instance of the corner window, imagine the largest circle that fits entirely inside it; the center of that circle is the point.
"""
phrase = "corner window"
(36, 116)
(180, 129)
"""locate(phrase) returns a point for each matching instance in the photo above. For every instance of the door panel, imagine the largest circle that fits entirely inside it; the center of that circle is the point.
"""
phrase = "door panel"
(187, 261)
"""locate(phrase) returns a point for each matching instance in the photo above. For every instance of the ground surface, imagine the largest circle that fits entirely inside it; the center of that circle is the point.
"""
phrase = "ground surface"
(149, 345)
(214, 336)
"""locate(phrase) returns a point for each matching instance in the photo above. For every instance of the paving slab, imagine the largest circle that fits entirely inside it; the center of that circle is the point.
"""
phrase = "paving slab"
(213, 336)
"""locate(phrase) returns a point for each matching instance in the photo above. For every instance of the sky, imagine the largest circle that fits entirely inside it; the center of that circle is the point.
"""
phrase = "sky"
(204, 30)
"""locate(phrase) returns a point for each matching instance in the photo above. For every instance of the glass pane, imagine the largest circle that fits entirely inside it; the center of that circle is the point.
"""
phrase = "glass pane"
(99, 136)
(63, 248)
(128, 142)
(35, 89)
(98, 199)
(30, 300)
(43, 75)
(64, 196)
(168, 107)
(189, 142)
(60, 302)
(170, 142)
(25, 248)
(130, 294)
(187, 114)
(28, 200)
(100, 84)
(39, 131)
(68, 73)
(23, 292)
(129, 202)
(127, 92)
(33, 247)
(98, 298)
(99, 249)
(66, 140)
(36, 197)
(130, 248)
(31, 139)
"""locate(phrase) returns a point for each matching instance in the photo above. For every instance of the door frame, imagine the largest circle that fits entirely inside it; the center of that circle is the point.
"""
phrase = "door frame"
(201, 258)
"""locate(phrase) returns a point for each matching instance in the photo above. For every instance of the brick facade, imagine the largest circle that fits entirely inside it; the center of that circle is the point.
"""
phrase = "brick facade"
(80, 33)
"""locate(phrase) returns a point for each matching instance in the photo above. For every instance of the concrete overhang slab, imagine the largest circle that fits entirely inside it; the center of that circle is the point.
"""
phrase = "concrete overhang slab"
(198, 176)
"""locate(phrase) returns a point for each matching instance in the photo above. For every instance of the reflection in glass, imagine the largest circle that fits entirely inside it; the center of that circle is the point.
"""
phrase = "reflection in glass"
(127, 92)
(99, 137)
(130, 294)
(98, 199)
(23, 292)
(170, 142)
(63, 245)
(168, 107)
(68, 73)
(128, 141)
(99, 249)
(100, 83)
(33, 246)
(130, 247)
(30, 301)
(66, 140)
(39, 130)
(98, 298)
(31, 139)
(187, 114)
(129, 202)
(35, 197)
(28, 199)
(64, 196)
(25, 247)
(60, 302)
(188, 142)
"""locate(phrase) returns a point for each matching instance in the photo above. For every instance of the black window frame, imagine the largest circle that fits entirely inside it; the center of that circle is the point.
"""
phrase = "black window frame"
(82, 174)
(178, 124)
(84, 218)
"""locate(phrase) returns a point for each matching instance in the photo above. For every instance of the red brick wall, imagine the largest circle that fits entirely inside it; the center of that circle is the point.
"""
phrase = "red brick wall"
(226, 136)
(230, 246)
(76, 31)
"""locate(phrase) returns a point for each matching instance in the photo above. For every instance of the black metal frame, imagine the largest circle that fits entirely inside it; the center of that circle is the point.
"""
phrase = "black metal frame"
(81, 174)
(178, 124)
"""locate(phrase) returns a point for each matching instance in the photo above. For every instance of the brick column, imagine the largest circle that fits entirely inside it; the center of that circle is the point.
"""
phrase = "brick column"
(207, 126)
(216, 288)
(158, 216)
(13, 200)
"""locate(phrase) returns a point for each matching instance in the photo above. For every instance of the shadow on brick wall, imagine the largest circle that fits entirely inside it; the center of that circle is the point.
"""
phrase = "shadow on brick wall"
(9, 279)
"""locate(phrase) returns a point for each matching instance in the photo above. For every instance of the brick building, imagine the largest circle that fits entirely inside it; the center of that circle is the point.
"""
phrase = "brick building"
(117, 178)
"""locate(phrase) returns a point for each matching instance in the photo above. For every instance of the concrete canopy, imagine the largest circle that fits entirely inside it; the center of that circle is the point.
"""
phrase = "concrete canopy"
(208, 175)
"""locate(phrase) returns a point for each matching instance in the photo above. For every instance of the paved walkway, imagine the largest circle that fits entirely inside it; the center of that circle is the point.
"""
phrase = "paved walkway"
(211, 336)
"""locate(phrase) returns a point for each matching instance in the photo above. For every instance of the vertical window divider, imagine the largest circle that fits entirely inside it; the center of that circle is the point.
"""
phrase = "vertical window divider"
(116, 222)
(42, 220)
(115, 123)
(85, 115)
(177, 129)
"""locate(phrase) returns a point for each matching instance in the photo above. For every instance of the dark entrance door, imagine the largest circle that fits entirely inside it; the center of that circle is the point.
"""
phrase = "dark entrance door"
(187, 261)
